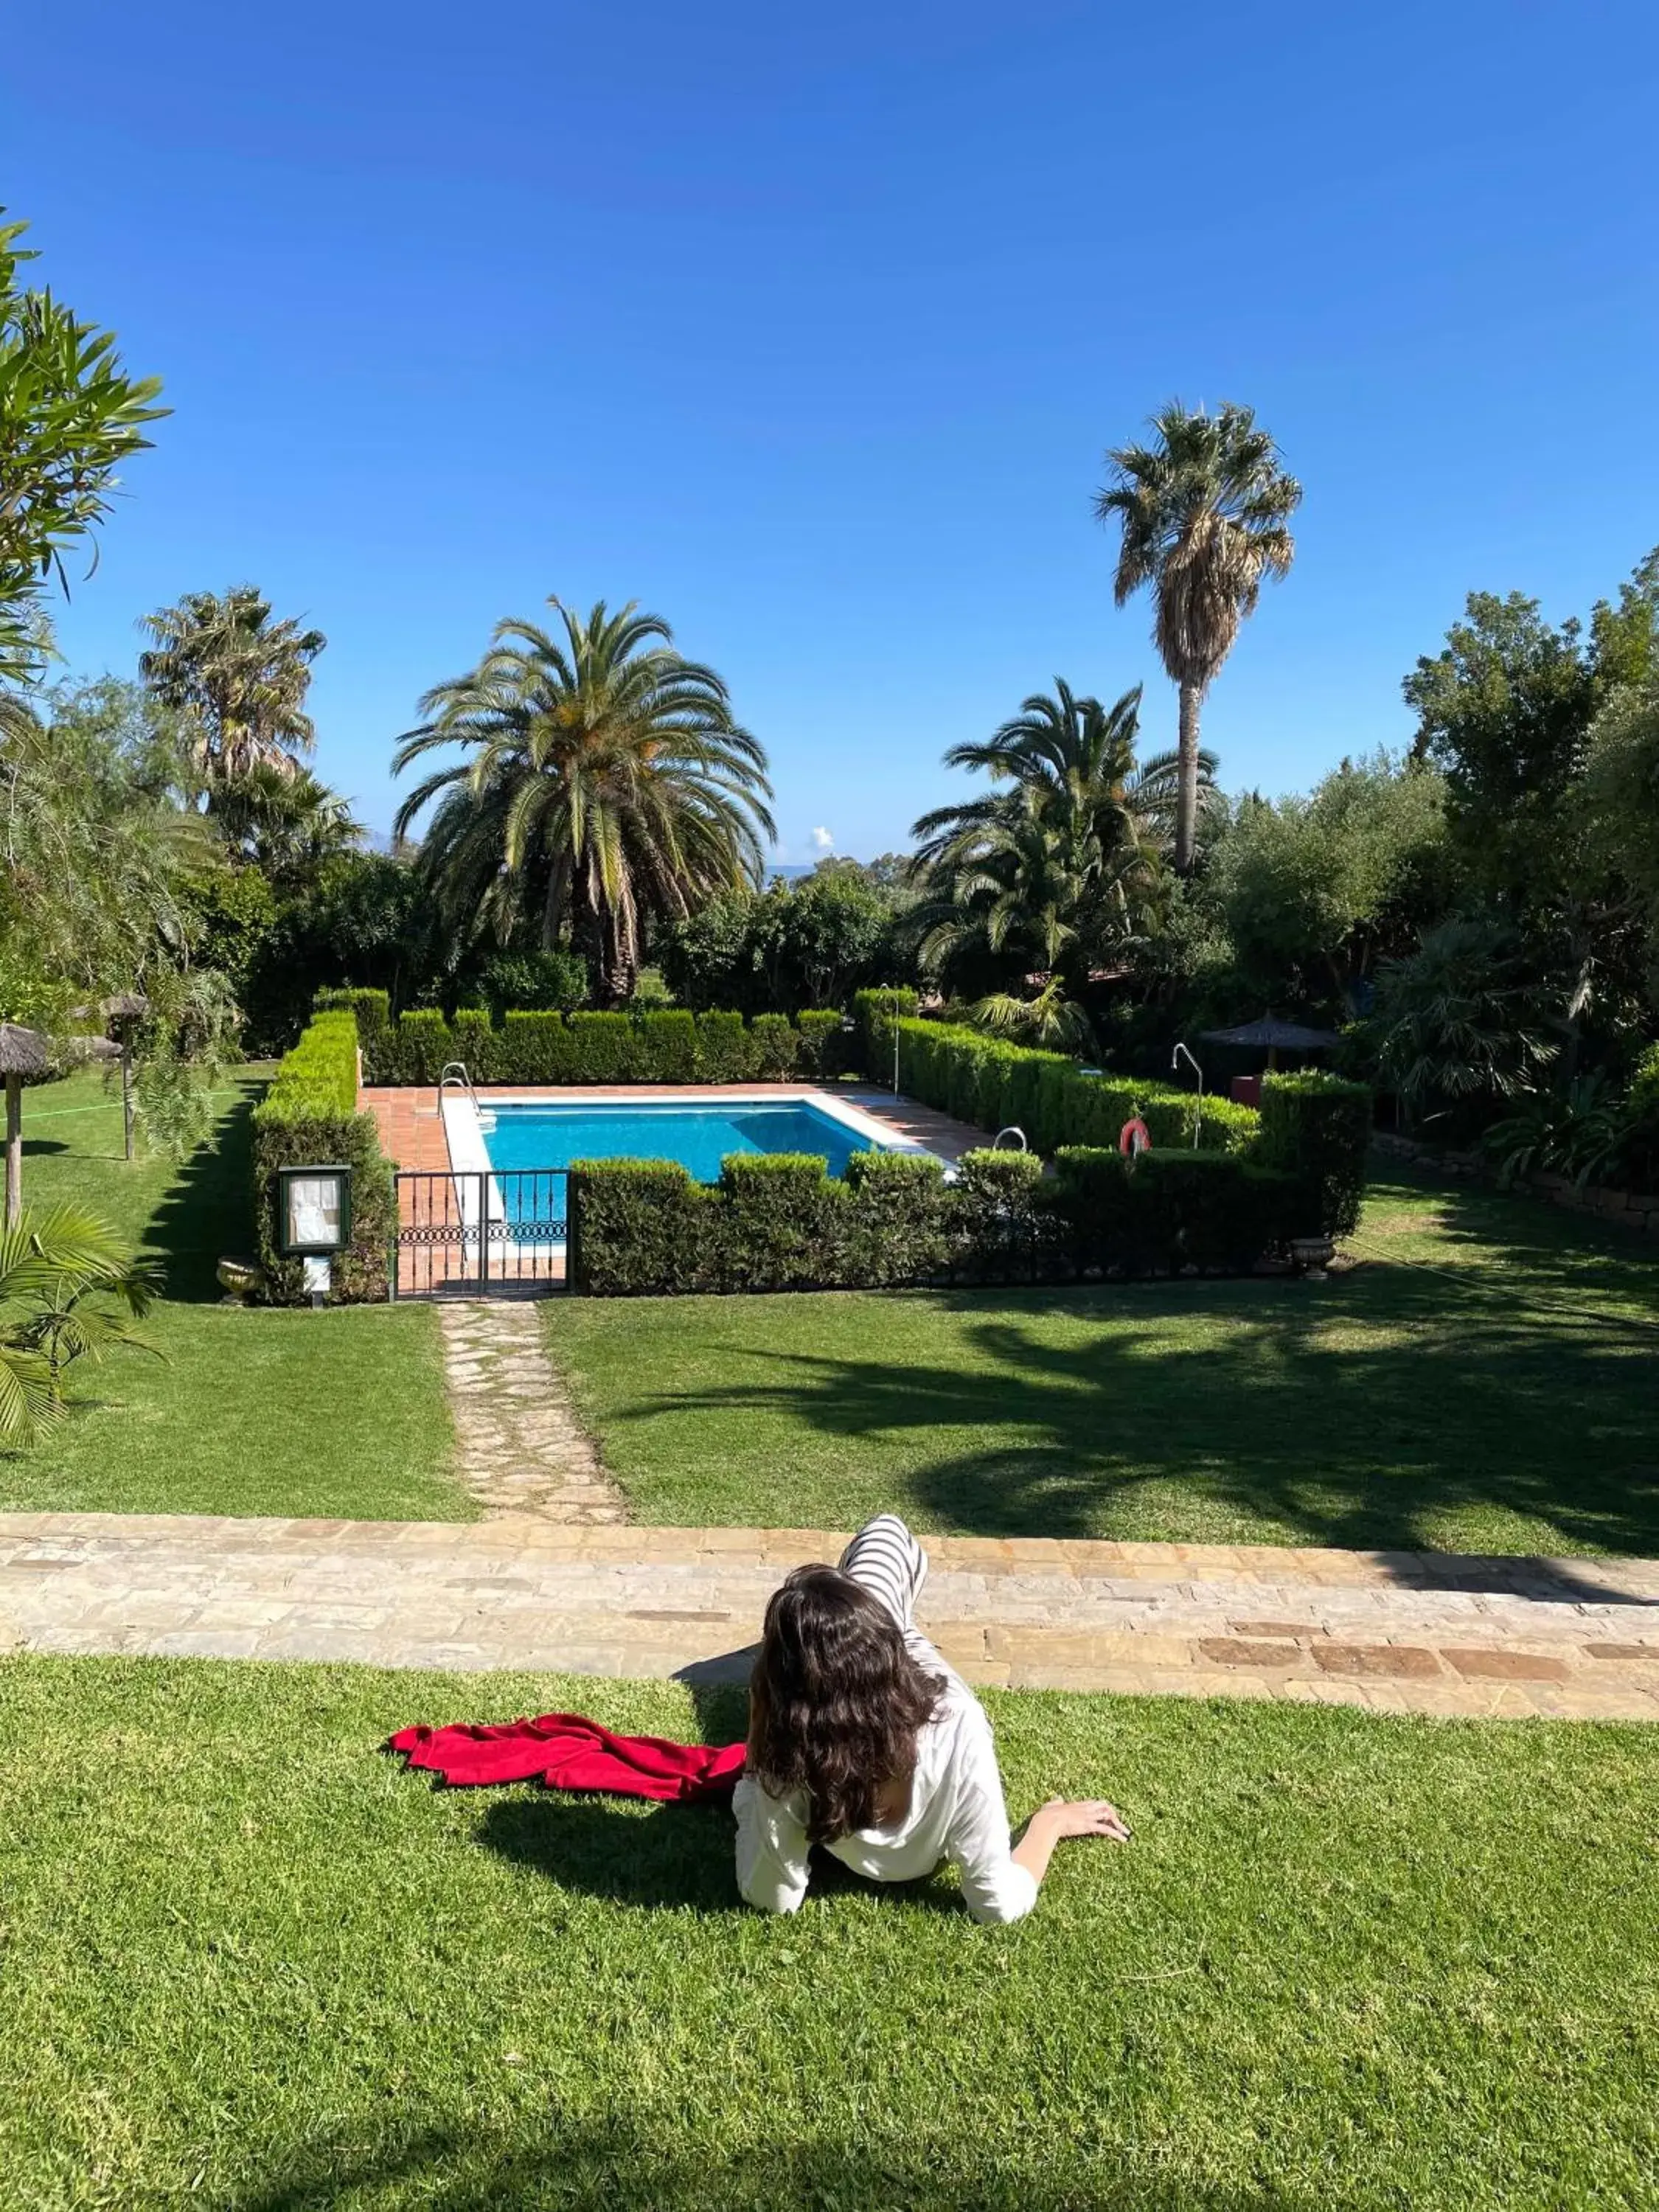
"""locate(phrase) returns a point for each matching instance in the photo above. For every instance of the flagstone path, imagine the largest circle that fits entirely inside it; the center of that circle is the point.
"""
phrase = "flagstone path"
(519, 1449)
(1396, 1632)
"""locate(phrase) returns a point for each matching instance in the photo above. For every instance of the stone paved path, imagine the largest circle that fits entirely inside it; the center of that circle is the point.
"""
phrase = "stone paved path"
(1399, 1631)
(519, 1449)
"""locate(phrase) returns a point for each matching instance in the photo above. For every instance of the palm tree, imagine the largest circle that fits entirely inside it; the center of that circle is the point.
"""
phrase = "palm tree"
(286, 823)
(50, 1267)
(606, 783)
(1062, 860)
(237, 679)
(1205, 515)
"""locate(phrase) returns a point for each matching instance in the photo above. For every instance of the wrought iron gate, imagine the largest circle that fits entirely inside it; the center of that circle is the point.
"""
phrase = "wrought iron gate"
(495, 1229)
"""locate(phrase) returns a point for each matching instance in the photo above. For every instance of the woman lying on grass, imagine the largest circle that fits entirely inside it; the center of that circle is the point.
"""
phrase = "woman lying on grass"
(861, 1739)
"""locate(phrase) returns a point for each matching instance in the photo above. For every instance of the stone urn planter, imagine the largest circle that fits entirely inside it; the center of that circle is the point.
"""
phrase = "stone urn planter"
(240, 1279)
(1311, 1256)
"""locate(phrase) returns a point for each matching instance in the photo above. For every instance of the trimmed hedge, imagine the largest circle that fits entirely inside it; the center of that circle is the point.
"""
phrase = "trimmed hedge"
(657, 1045)
(1316, 1128)
(779, 1222)
(874, 1013)
(997, 1085)
(309, 1118)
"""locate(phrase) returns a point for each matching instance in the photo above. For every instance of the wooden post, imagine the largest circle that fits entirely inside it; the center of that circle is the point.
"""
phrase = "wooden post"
(14, 1149)
(126, 1086)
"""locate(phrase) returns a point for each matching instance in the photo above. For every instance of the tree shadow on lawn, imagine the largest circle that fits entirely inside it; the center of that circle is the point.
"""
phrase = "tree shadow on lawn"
(1363, 1412)
(207, 1211)
(598, 2166)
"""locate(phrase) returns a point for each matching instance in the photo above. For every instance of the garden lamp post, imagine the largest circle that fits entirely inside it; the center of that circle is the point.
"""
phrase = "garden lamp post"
(23, 1057)
(124, 1012)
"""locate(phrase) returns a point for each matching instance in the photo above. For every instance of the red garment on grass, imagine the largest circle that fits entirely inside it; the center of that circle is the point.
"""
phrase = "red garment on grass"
(570, 1752)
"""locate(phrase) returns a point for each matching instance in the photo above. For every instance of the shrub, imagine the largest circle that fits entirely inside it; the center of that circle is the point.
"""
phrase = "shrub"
(372, 1008)
(418, 1045)
(899, 1226)
(723, 1049)
(472, 1042)
(999, 1218)
(535, 1048)
(781, 1214)
(821, 1054)
(308, 1118)
(533, 982)
(1317, 1129)
(603, 1048)
(665, 1048)
(774, 1044)
(637, 1228)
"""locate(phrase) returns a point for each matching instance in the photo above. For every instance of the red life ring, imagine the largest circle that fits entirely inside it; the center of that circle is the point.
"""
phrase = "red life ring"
(1134, 1138)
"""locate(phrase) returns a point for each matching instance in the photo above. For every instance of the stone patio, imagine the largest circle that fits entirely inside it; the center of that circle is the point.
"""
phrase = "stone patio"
(1418, 1633)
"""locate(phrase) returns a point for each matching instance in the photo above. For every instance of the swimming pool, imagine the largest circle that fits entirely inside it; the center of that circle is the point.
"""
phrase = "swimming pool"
(538, 1133)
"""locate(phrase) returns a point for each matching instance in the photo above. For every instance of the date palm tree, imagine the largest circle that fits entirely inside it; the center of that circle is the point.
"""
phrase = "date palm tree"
(1204, 513)
(54, 1269)
(237, 680)
(604, 783)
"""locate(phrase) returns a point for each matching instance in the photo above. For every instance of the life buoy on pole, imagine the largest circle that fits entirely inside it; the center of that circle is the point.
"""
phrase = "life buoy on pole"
(1134, 1138)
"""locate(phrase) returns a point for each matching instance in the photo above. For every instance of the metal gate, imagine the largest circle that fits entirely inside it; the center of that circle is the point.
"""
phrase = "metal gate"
(466, 1233)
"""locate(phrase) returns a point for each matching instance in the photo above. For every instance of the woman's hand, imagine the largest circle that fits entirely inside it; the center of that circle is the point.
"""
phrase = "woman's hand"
(1083, 1816)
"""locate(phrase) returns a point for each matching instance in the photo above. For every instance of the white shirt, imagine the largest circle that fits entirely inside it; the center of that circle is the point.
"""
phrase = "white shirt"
(956, 1811)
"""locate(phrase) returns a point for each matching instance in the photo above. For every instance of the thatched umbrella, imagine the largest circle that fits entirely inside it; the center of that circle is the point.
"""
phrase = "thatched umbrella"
(124, 1012)
(1273, 1036)
(23, 1057)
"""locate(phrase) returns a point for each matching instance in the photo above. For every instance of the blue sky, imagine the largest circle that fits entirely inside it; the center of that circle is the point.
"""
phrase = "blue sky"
(808, 328)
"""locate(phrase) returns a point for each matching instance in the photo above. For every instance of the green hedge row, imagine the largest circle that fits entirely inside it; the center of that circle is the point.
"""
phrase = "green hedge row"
(1317, 1129)
(309, 1118)
(778, 1222)
(998, 1086)
(660, 1046)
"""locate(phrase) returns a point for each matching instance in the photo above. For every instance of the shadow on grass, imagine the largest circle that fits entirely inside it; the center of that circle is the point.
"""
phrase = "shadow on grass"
(1372, 1411)
(207, 1211)
(584, 2169)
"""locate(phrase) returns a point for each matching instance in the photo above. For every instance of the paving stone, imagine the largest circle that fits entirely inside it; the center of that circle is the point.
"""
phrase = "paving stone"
(1378, 1659)
(1279, 1628)
(1508, 1665)
(1245, 1652)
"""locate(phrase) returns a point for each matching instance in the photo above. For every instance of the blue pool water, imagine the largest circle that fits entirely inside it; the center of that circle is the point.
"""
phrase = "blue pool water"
(699, 1137)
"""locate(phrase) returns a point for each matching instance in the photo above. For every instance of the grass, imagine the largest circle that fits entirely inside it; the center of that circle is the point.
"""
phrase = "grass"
(1486, 1380)
(251, 1412)
(1348, 1961)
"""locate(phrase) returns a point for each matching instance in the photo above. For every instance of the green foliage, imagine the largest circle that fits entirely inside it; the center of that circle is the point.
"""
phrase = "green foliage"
(822, 1055)
(1316, 1128)
(1458, 1019)
(724, 1049)
(781, 1224)
(637, 1228)
(59, 1272)
(69, 417)
(998, 1086)
(534, 981)
(899, 1227)
(419, 1044)
(182, 1046)
(308, 1118)
(604, 1048)
(473, 1042)
(238, 682)
(606, 782)
(811, 943)
(776, 1046)
(537, 1048)
(666, 1046)
(372, 1008)
(1584, 1132)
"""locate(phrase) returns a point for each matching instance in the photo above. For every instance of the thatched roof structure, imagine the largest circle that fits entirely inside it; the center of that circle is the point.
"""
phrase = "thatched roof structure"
(1271, 1035)
(23, 1052)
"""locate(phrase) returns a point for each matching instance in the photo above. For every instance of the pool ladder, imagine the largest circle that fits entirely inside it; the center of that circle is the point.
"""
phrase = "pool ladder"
(454, 1071)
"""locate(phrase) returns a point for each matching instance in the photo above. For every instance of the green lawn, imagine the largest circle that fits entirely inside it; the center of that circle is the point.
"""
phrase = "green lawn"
(259, 1412)
(1486, 1380)
(1348, 1961)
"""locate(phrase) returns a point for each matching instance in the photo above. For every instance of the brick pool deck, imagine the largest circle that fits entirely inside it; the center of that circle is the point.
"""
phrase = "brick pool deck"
(1396, 1632)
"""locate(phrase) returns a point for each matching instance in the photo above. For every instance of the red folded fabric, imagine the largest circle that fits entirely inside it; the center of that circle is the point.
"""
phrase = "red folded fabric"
(567, 1752)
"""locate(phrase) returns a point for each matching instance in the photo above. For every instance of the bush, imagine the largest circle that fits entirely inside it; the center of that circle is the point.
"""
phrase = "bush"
(308, 1118)
(472, 1042)
(774, 1045)
(1000, 1220)
(899, 1228)
(723, 1049)
(603, 1047)
(822, 1055)
(637, 1228)
(535, 1048)
(665, 1047)
(1317, 1129)
(417, 1046)
(372, 1008)
(781, 1217)
(533, 982)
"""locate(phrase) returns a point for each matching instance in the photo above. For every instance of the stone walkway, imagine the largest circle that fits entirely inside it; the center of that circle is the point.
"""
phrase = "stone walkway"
(519, 1449)
(1394, 1631)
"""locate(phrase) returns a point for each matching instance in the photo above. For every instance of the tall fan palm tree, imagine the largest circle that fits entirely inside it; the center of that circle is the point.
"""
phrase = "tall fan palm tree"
(607, 781)
(237, 680)
(1205, 516)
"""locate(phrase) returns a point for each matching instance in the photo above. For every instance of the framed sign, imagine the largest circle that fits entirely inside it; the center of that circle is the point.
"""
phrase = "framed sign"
(314, 1212)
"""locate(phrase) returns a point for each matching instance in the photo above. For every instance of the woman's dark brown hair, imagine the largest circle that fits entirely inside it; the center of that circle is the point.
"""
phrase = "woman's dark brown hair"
(836, 1700)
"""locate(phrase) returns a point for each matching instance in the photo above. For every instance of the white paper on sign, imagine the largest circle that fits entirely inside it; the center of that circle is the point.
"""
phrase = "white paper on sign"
(313, 1210)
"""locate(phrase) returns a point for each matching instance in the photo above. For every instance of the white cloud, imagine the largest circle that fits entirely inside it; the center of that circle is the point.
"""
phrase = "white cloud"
(823, 840)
